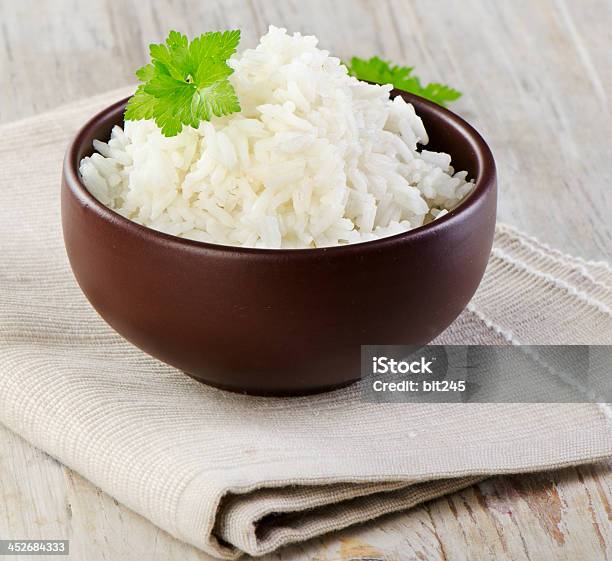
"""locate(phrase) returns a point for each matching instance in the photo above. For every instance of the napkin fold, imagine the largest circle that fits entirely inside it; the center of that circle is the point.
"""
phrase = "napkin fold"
(233, 474)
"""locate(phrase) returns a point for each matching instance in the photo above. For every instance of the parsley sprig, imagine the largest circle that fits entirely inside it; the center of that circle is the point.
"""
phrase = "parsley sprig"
(383, 72)
(186, 82)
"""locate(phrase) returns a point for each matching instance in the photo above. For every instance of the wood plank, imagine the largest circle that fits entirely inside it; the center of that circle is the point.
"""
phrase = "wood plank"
(536, 82)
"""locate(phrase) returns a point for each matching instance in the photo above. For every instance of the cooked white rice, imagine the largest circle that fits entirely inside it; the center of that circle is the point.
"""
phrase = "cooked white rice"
(315, 158)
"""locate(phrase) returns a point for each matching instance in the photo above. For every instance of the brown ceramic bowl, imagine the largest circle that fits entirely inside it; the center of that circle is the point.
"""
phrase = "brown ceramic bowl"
(280, 322)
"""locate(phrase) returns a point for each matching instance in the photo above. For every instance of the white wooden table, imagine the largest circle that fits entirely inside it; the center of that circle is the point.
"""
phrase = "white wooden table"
(536, 79)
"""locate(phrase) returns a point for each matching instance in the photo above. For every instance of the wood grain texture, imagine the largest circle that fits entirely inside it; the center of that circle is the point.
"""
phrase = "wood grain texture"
(537, 79)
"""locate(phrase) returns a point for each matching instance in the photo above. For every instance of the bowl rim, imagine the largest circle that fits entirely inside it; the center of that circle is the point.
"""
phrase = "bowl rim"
(485, 181)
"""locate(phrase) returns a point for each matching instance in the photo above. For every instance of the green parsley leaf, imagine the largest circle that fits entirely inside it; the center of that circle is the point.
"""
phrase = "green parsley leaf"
(214, 44)
(145, 73)
(140, 106)
(186, 82)
(384, 72)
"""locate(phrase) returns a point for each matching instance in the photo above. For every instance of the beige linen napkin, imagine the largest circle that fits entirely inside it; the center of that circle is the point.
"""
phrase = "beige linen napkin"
(233, 474)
